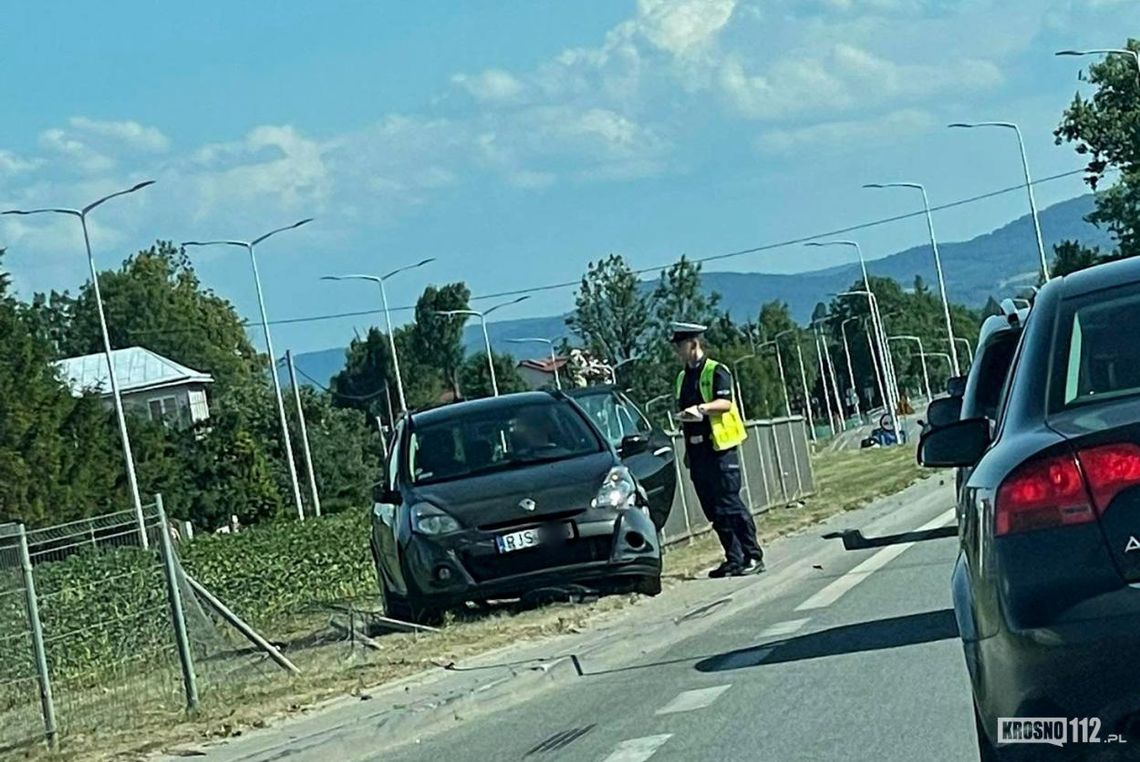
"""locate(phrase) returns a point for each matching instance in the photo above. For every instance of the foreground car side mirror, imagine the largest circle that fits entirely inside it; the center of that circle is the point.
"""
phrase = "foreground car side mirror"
(634, 444)
(958, 445)
(943, 412)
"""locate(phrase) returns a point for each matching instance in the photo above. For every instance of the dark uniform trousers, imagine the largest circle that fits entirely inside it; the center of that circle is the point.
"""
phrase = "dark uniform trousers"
(717, 481)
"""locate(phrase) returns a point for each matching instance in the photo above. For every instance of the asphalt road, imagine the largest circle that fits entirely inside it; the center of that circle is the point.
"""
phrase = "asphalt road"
(859, 664)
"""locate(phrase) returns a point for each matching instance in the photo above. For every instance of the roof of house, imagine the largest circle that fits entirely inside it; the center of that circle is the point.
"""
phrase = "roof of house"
(545, 365)
(136, 369)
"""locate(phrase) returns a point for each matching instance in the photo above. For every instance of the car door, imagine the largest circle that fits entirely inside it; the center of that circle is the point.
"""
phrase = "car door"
(384, 514)
(653, 466)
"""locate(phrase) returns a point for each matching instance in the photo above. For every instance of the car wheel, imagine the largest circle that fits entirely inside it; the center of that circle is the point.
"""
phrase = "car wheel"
(408, 609)
(650, 586)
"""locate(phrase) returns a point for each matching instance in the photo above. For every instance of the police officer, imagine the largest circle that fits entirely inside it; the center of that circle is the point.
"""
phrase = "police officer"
(713, 432)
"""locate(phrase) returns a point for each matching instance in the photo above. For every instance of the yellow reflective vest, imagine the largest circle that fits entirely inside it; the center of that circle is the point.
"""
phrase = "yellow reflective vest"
(727, 428)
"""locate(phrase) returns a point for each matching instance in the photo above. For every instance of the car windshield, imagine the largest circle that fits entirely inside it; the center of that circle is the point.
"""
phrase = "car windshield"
(482, 440)
(1095, 361)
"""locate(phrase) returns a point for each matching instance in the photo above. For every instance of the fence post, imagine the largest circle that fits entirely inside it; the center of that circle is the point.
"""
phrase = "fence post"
(677, 456)
(779, 460)
(796, 457)
(178, 619)
(46, 702)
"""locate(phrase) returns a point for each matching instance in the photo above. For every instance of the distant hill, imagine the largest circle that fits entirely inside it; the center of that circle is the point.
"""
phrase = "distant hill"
(990, 265)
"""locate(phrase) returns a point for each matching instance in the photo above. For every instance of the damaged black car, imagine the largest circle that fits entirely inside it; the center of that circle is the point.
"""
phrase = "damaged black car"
(503, 498)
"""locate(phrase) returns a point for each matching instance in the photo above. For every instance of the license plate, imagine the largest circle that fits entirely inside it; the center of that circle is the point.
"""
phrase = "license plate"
(529, 538)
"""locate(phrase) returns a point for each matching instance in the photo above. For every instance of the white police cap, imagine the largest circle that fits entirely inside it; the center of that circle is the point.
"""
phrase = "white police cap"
(683, 331)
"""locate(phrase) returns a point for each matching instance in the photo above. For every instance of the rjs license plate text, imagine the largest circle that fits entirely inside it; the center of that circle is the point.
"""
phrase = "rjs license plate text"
(529, 538)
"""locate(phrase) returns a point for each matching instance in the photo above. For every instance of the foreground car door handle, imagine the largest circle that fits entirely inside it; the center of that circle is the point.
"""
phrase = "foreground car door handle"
(662, 451)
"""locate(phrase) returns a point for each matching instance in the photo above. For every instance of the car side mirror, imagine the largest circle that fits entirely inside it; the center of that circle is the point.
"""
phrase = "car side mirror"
(958, 445)
(944, 411)
(381, 494)
(634, 444)
(956, 386)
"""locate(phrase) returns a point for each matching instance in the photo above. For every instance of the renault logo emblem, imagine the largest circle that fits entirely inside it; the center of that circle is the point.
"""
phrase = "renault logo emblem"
(528, 505)
(1133, 544)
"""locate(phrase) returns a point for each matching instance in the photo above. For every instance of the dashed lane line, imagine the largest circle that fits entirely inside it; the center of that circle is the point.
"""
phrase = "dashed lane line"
(692, 700)
(638, 749)
(844, 584)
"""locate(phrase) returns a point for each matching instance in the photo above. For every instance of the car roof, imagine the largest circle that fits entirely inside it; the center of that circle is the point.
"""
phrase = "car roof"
(1116, 273)
(502, 402)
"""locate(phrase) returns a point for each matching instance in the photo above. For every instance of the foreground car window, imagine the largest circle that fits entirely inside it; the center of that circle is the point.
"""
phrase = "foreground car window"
(483, 441)
(614, 419)
(1095, 363)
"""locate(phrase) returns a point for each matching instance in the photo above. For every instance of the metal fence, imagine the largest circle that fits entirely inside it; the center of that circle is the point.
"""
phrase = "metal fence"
(776, 465)
(98, 634)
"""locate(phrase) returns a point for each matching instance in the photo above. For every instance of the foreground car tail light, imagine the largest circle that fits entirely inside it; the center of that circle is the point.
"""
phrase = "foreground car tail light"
(1065, 489)
(1042, 493)
(1110, 469)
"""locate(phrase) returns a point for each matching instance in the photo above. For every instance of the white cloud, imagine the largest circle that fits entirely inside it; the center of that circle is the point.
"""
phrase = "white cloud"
(128, 133)
(681, 27)
(843, 78)
(11, 164)
(490, 86)
(846, 135)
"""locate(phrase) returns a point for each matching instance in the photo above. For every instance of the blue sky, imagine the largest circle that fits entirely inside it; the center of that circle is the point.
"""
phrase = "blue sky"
(516, 142)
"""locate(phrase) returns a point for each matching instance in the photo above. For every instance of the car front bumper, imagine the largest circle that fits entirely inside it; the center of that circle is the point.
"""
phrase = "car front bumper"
(609, 548)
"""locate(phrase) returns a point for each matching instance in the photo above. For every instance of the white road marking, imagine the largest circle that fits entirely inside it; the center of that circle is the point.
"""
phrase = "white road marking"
(784, 628)
(638, 749)
(696, 699)
(747, 658)
(836, 589)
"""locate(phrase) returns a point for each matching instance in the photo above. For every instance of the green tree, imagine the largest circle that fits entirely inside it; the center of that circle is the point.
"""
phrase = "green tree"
(438, 339)
(1071, 256)
(611, 312)
(475, 376)
(1104, 128)
(156, 300)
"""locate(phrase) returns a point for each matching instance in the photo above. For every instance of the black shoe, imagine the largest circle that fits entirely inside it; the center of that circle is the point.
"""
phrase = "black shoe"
(724, 570)
(750, 566)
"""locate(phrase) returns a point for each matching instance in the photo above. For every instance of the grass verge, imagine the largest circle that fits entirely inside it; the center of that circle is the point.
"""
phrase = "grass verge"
(331, 667)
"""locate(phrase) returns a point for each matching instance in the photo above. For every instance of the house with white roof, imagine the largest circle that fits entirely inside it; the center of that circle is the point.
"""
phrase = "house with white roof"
(150, 384)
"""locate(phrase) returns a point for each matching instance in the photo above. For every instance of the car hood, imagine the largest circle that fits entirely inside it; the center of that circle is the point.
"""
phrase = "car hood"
(492, 500)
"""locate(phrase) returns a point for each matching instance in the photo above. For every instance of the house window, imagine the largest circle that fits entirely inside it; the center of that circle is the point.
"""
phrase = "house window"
(164, 409)
(199, 409)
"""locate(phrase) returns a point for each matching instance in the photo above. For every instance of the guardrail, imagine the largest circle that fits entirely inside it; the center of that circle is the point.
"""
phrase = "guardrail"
(776, 465)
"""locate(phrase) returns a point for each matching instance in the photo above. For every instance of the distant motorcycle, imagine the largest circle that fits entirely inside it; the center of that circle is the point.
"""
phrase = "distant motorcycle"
(883, 436)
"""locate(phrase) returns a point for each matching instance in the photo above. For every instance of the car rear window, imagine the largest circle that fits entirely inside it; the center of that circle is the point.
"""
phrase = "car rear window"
(1095, 357)
(482, 440)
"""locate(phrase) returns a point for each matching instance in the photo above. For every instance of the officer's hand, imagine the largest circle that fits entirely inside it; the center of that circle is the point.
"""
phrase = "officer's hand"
(693, 413)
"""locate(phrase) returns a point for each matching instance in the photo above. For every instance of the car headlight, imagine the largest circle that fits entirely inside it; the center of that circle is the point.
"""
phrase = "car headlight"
(427, 519)
(618, 490)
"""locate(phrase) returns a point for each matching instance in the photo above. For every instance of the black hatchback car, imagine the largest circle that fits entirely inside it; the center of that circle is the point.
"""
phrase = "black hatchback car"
(503, 498)
(1046, 587)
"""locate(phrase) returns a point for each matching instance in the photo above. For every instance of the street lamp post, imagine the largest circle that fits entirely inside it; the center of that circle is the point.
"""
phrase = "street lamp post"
(739, 387)
(379, 281)
(270, 358)
(876, 319)
(888, 380)
(553, 356)
(120, 416)
(922, 357)
(834, 382)
(969, 349)
(614, 368)
(850, 367)
(937, 259)
(482, 315)
(783, 378)
(803, 384)
(1107, 52)
(1029, 190)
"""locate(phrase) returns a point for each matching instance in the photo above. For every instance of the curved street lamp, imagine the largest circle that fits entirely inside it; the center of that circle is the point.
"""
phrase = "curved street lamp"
(553, 356)
(379, 281)
(1028, 188)
(482, 315)
(937, 258)
(124, 437)
(249, 246)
